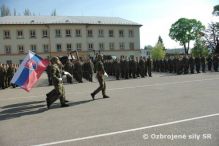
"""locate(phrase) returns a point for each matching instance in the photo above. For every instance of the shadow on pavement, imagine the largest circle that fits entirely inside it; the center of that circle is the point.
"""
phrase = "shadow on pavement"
(30, 108)
(22, 109)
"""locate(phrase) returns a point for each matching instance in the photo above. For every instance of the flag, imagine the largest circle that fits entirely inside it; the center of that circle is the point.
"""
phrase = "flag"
(29, 71)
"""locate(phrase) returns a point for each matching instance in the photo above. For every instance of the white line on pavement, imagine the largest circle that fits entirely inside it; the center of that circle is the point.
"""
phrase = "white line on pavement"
(128, 87)
(126, 131)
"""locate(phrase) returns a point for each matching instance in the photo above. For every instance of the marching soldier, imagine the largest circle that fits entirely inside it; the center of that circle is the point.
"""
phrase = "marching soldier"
(100, 77)
(56, 73)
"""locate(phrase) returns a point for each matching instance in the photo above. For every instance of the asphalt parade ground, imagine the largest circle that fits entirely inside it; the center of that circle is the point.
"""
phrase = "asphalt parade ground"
(165, 110)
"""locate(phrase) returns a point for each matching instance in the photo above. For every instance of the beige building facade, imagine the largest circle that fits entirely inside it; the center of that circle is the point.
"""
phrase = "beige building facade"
(58, 35)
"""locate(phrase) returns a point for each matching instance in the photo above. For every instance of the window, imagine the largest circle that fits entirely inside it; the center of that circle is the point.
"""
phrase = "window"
(101, 46)
(7, 34)
(32, 34)
(45, 33)
(90, 46)
(111, 46)
(59, 48)
(110, 33)
(68, 47)
(68, 33)
(78, 46)
(131, 33)
(101, 33)
(90, 33)
(58, 33)
(121, 46)
(131, 46)
(121, 33)
(20, 34)
(20, 49)
(33, 48)
(7, 49)
(78, 33)
(46, 48)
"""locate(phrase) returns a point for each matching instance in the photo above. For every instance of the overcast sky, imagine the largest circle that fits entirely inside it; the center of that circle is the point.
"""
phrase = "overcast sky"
(156, 16)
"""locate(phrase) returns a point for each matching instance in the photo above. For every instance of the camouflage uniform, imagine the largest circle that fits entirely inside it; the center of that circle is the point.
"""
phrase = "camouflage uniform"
(100, 77)
(56, 74)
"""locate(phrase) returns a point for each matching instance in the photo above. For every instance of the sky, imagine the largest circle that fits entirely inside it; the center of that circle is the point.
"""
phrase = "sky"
(156, 16)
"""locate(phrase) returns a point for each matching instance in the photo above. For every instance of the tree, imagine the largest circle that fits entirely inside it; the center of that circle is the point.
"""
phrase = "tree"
(27, 12)
(54, 13)
(5, 11)
(200, 48)
(185, 30)
(15, 13)
(160, 40)
(216, 10)
(158, 51)
(211, 36)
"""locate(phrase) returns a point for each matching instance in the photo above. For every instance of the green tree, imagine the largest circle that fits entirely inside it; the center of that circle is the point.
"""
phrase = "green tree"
(211, 35)
(158, 51)
(54, 13)
(27, 12)
(185, 30)
(200, 48)
(4, 11)
(160, 40)
(216, 10)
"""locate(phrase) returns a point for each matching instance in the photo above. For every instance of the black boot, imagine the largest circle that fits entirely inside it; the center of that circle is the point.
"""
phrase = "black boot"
(92, 95)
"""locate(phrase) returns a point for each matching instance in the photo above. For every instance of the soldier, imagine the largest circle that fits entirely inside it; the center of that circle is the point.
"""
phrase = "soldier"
(197, 64)
(191, 64)
(185, 64)
(149, 66)
(142, 67)
(100, 77)
(126, 67)
(138, 68)
(1, 78)
(170, 65)
(133, 67)
(203, 64)
(56, 74)
(78, 71)
(215, 63)
(117, 68)
(68, 68)
(10, 73)
(209, 62)
(122, 67)
(48, 71)
(90, 69)
(4, 76)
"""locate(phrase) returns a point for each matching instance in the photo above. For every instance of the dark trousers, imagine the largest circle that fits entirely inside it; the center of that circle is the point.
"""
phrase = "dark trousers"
(102, 86)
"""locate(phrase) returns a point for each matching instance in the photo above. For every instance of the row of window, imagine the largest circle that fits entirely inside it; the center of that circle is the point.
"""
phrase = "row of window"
(68, 33)
(59, 47)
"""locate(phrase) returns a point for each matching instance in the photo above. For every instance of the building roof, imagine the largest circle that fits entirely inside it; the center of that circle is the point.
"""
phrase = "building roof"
(66, 20)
